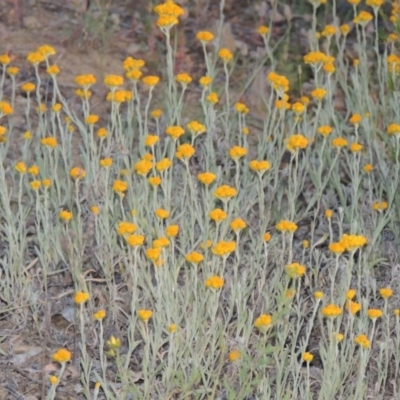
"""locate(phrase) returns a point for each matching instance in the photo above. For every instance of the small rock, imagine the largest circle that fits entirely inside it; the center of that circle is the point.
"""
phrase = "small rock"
(31, 22)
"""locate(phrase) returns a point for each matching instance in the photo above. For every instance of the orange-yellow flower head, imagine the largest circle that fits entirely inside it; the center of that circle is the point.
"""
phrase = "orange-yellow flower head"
(225, 192)
(296, 142)
(214, 282)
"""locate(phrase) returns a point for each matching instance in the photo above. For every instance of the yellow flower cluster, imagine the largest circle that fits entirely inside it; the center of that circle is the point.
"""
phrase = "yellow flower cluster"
(279, 82)
(168, 13)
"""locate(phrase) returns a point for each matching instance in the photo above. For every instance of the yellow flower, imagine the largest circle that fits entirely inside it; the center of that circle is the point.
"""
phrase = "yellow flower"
(298, 107)
(172, 230)
(142, 167)
(125, 227)
(286, 226)
(120, 186)
(85, 80)
(374, 313)
(81, 297)
(225, 192)
(156, 113)
(241, 108)
(35, 185)
(196, 128)
(194, 257)
(223, 249)
(306, 244)
(134, 75)
(205, 81)
(92, 119)
(217, 215)
(53, 379)
(214, 282)
(46, 183)
(163, 165)
(161, 213)
(318, 93)
(77, 173)
(355, 119)
(338, 337)
(279, 82)
(318, 295)
(396, 312)
(368, 168)
(153, 253)
(351, 294)
(316, 58)
(20, 167)
(212, 98)
(132, 64)
(353, 242)
(363, 341)
(151, 140)
(380, 206)
(175, 132)
(172, 328)
(119, 96)
(183, 78)
(65, 215)
(237, 152)
(113, 80)
(324, 130)
(35, 58)
(386, 292)
(5, 59)
(62, 356)
(53, 70)
(238, 224)
(328, 214)
(225, 55)
(295, 270)
(337, 247)
(206, 178)
(161, 242)
(150, 80)
(344, 29)
(356, 147)
(328, 31)
(263, 322)
(204, 36)
(46, 50)
(106, 162)
(296, 142)
(28, 87)
(352, 307)
(145, 315)
(56, 107)
(307, 357)
(393, 129)
(114, 343)
(339, 142)
(363, 18)
(95, 210)
(185, 151)
(267, 237)
(263, 30)
(356, 61)
(3, 130)
(234, 355)
(260, 166)
(83, 93)
(5, 108)
(206, 245)
(134, 240)
(99, 315)
(155, 180)
(331, 311)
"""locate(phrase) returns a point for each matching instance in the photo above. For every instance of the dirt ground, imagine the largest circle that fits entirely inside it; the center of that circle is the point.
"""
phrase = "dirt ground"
(95, 36)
